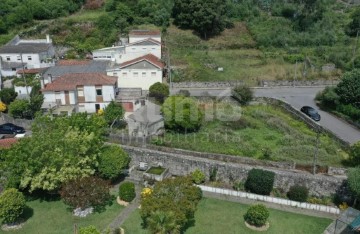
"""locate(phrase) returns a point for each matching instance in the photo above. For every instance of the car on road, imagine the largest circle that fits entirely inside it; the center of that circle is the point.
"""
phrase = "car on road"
(311, 112)
(10, 128)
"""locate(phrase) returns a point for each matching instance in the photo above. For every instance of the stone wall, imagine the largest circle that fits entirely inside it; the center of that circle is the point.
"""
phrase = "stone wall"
(275, 83)
(25, 123)
(178, 164)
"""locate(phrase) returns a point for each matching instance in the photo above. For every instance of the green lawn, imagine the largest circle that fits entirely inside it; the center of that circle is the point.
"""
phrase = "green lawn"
(55, 217)
(217, 216)
(262, 132)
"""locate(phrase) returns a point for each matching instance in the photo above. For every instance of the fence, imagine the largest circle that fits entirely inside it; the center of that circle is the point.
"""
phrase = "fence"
(280, 201)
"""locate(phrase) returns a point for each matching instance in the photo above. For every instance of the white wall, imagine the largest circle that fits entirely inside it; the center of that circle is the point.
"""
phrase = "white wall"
(131, 81)
(132, 52)
(90, 93)
(90, 107)
(72, 97)
(133, 38)
(108, 92)
(21, 90)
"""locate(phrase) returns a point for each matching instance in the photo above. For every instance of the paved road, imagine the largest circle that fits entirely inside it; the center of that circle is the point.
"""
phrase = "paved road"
(297, 97)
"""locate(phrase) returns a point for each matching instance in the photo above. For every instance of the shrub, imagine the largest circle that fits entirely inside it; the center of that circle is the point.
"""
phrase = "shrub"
(159, 91)
(260, 181)
(257, 215)
(198, 176)
(20, 108)
(242, 94)
(12, 205)
(127, 191)
(213, 174)
(354, 155)
(113, 112)
(7, 95)
(2, 107)
(89, 230)
(328, 97)
(298, 193)
(112, 161)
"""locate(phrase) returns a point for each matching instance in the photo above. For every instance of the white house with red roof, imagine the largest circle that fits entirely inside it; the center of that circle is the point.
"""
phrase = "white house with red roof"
(140, 72)
(81, 92)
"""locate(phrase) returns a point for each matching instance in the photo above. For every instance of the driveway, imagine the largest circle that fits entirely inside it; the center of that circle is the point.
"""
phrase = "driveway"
(297, 97)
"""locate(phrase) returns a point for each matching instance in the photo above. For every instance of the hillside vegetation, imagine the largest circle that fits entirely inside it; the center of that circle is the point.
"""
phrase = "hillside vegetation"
(261, 40)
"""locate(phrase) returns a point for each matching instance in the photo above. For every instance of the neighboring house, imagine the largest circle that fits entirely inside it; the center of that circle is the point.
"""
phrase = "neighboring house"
(80, 92)
(139, 35)
(131, 99)
(34, 71)
(141, 48)
(141, 72)
(146, 121)
(26, 54)
(64, 67)
(109, 53)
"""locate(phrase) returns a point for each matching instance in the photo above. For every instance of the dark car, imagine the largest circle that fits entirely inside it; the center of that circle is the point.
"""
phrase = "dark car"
(9, 128)
(311, 112)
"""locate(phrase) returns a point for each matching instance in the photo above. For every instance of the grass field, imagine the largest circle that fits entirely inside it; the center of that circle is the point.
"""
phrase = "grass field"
(56, 218)
(216, 216)
(262, 132)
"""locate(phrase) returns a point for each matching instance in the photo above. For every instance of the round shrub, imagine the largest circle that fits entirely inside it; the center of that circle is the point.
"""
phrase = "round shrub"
(260, 181)
(112, 161)
(257, 215)
(89, 230)
(242, 94)
(198, 176)
(12, 205)
(298, 193)
(127, 191)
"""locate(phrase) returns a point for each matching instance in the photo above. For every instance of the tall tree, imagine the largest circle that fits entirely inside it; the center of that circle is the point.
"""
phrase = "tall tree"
(349, 88)
(113, 112)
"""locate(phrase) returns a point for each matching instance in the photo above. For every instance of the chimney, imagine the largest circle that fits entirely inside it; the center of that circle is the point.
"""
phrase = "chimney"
(48, 38)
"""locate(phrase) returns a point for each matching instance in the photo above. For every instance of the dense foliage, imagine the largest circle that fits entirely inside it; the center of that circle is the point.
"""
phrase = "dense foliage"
(177, 195)
(127, 191)
(257, 215)
(354, 155)
(260, 181)
(159, 91)
(12, 205)
(85, 192)
(163, 222)
(89, 230)
(59, 150)
(354, 181)
(198, 176)
(298, 193)
(182, 114)
(242, 94)
(7, 95)
(112, 161)
(113, 112)
(2, 107)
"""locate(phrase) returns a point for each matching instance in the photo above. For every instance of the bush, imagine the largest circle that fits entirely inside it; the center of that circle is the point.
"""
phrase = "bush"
(7, 95)
(257, 215)
(298, 193)
(328, 97)
(354, 155)
(20, 108)
(159, 91)
(112, 161)
(242, 94)
(2, 107)
(113, 112)
(127, 191)
(198, 176)
(12, 205)
(89, 230)
(260, 181)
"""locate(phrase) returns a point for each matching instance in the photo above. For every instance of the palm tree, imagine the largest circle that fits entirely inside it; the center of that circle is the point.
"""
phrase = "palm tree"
(161, 222)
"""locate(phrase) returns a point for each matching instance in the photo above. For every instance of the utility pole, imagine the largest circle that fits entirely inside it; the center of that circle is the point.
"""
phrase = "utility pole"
(316, 148)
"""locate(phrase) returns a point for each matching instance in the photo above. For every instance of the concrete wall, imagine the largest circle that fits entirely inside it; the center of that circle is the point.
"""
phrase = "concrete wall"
(21, 90)
(130, 80)
(319, 185)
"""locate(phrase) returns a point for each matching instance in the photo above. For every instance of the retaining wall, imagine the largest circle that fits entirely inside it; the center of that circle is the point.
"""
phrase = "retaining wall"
(25, 123)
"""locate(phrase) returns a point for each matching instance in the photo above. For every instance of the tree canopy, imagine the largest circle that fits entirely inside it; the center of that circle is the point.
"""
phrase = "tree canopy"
(349, 88)
(112, 161)
(113, 112)
(354, 180)
(7, 95)
(159, 91)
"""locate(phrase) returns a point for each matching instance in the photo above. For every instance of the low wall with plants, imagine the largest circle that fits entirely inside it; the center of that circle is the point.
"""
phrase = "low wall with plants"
(25, 123)
(276, 83)
(280, 201)
(180, 164)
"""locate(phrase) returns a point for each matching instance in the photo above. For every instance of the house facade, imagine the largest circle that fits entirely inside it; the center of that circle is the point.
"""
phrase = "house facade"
(86, 92)
(141, 72)
(26, 54)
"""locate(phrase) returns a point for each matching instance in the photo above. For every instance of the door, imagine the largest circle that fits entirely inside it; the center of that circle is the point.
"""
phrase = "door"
(97, 107)
(67, 98)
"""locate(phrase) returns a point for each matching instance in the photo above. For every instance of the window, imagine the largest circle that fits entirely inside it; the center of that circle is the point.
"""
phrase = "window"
(7, 58)
(143, 74)
(97, 107)
(124, 74)
(80, 91)
(18, 57)
(29, 58)
(135, 74)
(153, 74)
(13, 69)
(99, 91)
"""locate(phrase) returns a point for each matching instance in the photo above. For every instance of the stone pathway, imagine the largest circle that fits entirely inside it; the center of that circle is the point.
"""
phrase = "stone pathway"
(119, 220)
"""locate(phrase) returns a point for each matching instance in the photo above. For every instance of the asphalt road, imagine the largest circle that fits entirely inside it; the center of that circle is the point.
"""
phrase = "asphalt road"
(297, 97)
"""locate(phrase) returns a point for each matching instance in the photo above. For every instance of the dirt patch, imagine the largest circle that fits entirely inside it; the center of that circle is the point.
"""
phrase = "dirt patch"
(259, 229)
(121, 202)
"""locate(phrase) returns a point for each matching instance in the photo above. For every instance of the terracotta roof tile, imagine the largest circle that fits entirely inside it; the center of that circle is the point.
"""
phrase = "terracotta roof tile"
(149, 57)
(144, 32)
(72, 62)
(7, 143)
(71, 81)
(31, 71)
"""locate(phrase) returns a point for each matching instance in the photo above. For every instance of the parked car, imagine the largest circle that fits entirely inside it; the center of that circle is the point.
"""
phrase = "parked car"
(311, 112)
(10, 128)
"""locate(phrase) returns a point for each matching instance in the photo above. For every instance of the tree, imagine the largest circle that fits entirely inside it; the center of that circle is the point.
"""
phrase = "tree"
(85, 192)
(161, 222)
(113, 112)
(159, 91)
(242, 94)
(20, 109)
(354, 155)
(354, 26)
(207, 17)
(12, 205)
(354, 181)
(2, 107)
(349, 88)
(112, 161)
(89, 230)
(7, 95)
(36, 100)
(60, 149)
(176, 195)
(182, 114)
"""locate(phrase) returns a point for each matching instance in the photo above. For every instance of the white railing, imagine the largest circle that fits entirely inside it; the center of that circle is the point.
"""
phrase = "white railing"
(280, 201)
